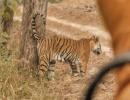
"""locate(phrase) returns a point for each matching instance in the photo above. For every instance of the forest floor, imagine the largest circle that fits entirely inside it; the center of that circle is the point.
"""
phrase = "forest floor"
(74, 19)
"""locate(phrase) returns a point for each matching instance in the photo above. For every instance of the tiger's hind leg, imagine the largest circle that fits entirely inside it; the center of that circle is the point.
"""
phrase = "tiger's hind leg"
(74, 68)
(82, 71)
(51, 70)
(77, 69)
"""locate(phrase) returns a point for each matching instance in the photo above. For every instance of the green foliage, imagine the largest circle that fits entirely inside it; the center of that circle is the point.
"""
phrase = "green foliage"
(19, 1)
(54, 1)
(11, 3)
(3, 42)
(3, 38)
(6, 15)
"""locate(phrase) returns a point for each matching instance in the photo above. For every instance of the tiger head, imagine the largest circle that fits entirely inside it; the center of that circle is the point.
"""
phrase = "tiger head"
(95, 45)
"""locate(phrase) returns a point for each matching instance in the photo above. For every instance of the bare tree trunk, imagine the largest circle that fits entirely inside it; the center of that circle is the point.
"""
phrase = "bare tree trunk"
(28, 44)
(7, 18)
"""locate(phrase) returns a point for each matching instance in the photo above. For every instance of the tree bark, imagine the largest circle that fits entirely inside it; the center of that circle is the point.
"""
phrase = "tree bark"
(7, 18)
(28, 50)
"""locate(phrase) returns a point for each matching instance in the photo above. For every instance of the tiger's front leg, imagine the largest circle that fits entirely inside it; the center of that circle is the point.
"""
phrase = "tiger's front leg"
(51, 70)
(47, 69)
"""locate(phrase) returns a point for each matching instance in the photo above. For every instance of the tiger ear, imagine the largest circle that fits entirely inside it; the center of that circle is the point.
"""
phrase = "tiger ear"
(93, 37)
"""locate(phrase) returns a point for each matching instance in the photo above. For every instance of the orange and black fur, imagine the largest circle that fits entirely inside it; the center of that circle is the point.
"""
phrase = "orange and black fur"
(59, 48)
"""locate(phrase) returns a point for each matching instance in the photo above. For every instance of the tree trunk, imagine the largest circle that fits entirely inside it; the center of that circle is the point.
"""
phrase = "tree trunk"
(29, 54)
(7, 18)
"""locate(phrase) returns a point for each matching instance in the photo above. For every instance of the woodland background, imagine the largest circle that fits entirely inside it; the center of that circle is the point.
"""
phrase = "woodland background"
(18, 58)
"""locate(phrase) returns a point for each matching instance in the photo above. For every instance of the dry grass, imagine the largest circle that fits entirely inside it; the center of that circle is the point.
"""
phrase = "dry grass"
(17, 83)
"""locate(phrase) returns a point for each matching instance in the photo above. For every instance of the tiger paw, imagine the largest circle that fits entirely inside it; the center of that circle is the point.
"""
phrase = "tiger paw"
(50, 76)
(82, 74)
(75, 74)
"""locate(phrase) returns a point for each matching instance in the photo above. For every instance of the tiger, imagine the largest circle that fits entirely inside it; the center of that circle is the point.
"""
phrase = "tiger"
(58, 48)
